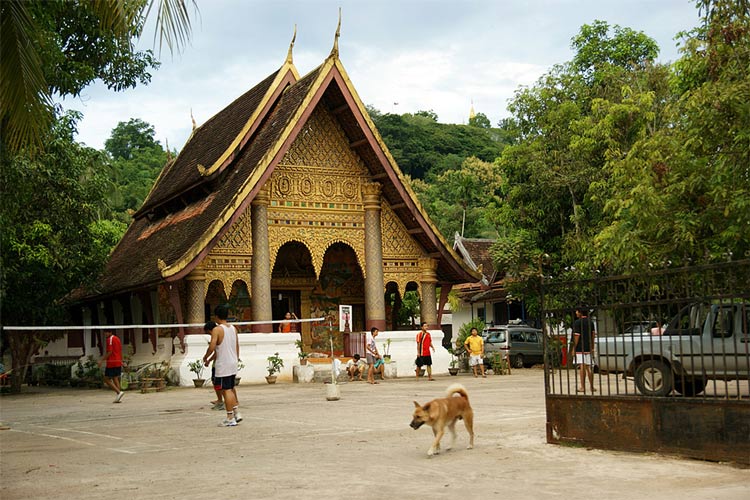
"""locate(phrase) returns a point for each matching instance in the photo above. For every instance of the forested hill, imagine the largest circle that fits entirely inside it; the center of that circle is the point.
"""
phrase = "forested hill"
(424, 148)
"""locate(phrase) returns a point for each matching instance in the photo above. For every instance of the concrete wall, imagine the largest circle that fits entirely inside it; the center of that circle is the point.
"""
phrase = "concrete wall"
(256, 347)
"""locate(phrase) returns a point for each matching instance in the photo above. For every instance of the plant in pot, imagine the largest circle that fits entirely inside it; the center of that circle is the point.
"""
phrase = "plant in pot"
(302, 354)
(387, 351)
(275, 364)
(240, 366)
(453, 369)
(197, 367)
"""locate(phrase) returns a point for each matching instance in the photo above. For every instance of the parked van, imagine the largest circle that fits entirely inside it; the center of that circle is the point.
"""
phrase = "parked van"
(523, 344)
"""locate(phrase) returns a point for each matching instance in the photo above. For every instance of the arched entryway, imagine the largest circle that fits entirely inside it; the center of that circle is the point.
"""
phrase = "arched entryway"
(292, 281)
(341, 282)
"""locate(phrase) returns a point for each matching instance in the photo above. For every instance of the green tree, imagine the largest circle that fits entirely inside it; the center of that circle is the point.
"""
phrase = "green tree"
(682, 193)
(480, 120)
(137, 159)
(422, 147)
(600, 47)
(57, 47)
(129, 138)
(463, 200)
(56, 235)
(567, 127)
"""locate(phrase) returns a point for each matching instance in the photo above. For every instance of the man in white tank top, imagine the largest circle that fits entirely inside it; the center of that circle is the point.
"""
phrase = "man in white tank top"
(225, 343)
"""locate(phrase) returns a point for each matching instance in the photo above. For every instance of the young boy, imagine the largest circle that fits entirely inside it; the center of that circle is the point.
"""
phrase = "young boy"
(474, 345)
(354, 367)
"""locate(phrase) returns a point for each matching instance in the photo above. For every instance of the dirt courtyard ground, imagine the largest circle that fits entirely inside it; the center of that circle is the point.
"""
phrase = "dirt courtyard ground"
(67, 443)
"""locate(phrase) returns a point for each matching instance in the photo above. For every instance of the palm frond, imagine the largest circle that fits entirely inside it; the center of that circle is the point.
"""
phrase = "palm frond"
(25, 103)
(173, 25)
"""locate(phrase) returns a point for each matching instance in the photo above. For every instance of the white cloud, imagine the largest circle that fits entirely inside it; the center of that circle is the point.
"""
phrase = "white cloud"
(422, 54)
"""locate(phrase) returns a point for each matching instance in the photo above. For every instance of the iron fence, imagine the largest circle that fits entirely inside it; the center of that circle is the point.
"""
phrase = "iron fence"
(669, 333)
(671, 359)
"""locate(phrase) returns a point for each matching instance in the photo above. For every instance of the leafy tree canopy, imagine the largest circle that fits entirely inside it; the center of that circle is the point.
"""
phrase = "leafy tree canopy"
(620, 163)
(137, 159)
(58, 47)
(422, 147)
(56, 234)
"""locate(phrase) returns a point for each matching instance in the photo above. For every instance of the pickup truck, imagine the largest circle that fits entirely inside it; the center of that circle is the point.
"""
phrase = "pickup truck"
(702, 342)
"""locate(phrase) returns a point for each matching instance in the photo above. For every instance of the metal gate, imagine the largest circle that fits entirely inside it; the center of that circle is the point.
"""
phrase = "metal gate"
(668, 367)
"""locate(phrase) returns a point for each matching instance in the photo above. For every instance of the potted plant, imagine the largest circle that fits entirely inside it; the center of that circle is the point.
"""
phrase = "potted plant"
(153, 376)
(197, 367)
(275, 364)
(453, 369)
(302, 354)
(387, 351)
(240, 366)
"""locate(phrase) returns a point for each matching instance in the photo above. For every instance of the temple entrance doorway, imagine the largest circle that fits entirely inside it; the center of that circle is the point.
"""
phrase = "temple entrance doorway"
(292, 278)
(341, 282)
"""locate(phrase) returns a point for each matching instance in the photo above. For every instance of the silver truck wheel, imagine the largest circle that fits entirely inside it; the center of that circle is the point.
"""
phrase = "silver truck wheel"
(654, 378)
(518, 361)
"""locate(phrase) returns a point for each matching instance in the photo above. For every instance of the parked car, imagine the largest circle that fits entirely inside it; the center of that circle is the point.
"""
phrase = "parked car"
(639, 328)
(702, 342)
(522, 343)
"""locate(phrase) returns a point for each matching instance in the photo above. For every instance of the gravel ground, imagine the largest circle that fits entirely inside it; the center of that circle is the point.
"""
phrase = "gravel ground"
(70, 443)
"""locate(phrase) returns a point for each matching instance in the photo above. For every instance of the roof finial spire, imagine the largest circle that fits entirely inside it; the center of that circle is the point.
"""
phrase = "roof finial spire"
(193, 119)
(335, 49)
(291, 46)
(169, 153)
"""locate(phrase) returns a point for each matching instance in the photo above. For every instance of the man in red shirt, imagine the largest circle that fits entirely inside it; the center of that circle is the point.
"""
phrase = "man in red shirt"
(113, 370)
(424, 358)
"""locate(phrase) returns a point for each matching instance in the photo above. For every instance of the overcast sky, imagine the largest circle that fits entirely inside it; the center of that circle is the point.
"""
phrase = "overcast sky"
(401, 55)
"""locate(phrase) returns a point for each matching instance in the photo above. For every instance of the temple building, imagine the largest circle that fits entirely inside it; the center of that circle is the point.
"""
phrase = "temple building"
(285, 200)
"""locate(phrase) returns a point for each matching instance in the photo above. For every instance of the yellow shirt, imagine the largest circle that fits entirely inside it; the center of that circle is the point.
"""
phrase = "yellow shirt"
(476, 344)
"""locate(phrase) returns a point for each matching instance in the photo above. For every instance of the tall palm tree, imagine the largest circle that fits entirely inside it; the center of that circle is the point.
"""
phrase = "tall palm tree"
(26, 107)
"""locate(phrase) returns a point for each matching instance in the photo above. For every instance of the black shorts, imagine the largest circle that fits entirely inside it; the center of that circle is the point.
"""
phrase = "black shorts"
(213, 375)
(113, 372)
(423, 361)
(226, 383)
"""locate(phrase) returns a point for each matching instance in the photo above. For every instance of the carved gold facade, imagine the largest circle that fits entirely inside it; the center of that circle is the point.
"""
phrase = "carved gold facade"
(316, 199)
(230, 259)
(316, 193)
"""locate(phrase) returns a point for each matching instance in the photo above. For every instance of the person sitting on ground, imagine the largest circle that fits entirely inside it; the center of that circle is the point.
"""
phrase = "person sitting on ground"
(355, 368)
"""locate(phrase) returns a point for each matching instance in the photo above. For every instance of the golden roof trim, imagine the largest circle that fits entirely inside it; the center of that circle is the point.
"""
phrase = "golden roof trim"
(291, 46)
(323, 74)
(249, 183)
(397, 170)
(287, 66)
(335, 49)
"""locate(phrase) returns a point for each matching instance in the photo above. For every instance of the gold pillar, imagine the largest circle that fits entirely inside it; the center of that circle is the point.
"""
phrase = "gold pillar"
(428, 280)
(196, 299)
(260, 269)
(374, 287)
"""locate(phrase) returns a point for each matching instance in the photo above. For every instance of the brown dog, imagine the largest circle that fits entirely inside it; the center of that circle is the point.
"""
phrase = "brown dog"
(443, 412)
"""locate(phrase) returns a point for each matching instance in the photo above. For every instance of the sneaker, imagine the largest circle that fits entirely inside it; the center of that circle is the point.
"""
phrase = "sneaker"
(228, 423)
(237, 416)
(119, 397)
(218, 406)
